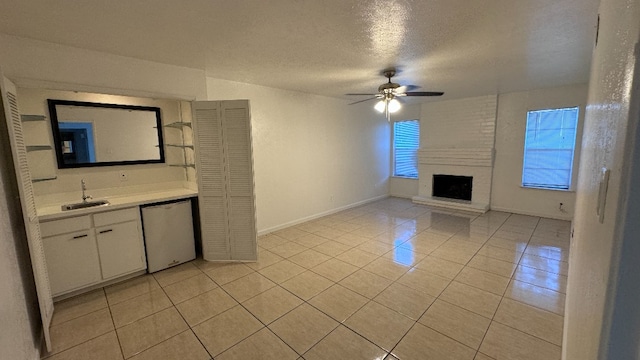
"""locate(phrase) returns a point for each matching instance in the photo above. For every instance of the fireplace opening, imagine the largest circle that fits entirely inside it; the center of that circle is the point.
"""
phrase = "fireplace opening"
(452, 187)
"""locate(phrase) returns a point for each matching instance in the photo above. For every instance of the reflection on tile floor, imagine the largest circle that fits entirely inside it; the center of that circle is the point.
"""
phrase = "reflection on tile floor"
(387, 280)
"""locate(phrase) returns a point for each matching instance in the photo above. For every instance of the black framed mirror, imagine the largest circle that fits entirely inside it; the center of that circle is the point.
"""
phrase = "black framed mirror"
(88, 134)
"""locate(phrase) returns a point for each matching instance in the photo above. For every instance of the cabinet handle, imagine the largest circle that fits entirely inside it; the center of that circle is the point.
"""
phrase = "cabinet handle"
(80, 236)
(106, 231)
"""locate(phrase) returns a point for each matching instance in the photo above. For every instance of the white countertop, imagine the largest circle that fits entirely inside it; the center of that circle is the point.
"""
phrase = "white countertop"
(52, 212)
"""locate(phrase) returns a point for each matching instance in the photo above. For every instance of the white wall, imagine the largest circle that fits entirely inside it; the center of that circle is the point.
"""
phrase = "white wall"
(68, 68)
(312, 154)
(37, 64)
(19, 313)
(403, 187)
(34, 101)
(602, 317)
(507, 193)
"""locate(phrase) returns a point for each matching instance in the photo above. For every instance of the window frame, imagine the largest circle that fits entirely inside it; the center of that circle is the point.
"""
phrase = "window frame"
(570, 184)
(394, 150)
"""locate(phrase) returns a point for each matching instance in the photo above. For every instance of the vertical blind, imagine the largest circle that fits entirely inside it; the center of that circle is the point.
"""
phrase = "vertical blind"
(406, 141)
(548, 148)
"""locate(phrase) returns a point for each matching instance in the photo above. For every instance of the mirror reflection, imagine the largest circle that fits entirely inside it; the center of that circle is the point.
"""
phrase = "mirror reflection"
(97, 134)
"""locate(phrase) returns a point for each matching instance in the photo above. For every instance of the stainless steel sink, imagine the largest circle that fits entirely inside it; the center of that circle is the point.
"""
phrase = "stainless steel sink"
(84, 205)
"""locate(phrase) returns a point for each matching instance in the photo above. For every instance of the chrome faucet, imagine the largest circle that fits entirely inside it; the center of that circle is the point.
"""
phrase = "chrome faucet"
(84, 188)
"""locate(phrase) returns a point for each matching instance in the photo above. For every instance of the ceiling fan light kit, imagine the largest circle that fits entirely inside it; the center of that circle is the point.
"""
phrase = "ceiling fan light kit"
(392, 105)
(389, 91)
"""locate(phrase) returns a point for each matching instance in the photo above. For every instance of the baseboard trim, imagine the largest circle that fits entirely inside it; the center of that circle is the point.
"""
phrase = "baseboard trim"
(402, 196)
(319, 215)
(531, 213)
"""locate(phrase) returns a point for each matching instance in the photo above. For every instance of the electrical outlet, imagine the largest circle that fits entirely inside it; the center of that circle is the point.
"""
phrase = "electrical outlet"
(123, 176)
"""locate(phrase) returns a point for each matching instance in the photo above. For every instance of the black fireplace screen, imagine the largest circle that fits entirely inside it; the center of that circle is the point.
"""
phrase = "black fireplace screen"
(452, 187)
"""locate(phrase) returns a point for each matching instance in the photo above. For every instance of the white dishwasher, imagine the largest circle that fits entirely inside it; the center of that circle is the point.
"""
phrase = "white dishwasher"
(168, 234)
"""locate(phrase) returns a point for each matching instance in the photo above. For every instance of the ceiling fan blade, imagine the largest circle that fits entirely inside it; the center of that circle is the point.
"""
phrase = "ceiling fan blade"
(424, 93)
(405, 88)
(373, 98)
(363, 94)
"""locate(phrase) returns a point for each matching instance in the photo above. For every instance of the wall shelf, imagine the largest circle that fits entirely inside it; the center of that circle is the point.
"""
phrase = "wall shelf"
(33, 117)
(178, 125)
(184, 165)
(43, 179)
(38, 147)
(180, 146)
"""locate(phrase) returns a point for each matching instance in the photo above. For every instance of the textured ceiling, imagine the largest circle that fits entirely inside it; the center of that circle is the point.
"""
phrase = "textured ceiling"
(332, 47)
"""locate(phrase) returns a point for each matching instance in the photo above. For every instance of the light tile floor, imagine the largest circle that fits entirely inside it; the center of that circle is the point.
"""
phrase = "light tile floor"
(388, 280)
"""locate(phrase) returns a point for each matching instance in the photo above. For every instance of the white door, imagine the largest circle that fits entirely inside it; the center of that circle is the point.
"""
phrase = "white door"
(207, 129)
(236, 127)
(36, 249)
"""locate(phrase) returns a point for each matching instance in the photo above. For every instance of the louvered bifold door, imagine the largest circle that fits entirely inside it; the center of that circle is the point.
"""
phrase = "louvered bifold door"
(236, 127)
(25, 189)
(211, 183)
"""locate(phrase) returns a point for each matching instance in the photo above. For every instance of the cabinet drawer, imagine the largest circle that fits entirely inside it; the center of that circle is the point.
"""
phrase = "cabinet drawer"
(57, 227)
(114, 217)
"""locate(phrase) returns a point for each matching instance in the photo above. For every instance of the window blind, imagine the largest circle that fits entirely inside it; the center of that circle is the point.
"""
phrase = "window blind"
(406, 142)
(549, 147)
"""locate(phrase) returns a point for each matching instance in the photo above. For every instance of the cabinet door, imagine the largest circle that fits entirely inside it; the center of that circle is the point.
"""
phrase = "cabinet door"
(72, 261)
(121, 249)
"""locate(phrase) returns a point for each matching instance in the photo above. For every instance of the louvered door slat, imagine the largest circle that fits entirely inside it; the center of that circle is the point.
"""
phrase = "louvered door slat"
(236, 124)
(238, 155)
(214, 229)
(242, 226)
(34, 239)
(211, 186)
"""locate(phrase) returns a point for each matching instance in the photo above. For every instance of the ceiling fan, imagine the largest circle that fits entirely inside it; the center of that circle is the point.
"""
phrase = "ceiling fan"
(389, 92)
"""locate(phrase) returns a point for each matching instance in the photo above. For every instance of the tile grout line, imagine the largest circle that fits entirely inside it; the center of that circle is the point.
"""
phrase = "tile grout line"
(427, 309)
(391, 212)
(505, 290)
(49, 355)
(115, 330)
(181, 316)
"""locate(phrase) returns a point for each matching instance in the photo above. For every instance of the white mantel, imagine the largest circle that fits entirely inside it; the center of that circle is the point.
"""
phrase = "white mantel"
(474, 162)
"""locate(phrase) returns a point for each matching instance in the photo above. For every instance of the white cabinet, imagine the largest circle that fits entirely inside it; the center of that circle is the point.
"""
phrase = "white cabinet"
(120, 245)
(86, 250)
(72, 260)
(224, 162)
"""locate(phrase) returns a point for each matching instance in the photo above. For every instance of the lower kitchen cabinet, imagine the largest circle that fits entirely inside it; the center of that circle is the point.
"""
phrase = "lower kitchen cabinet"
(120, 250)
(72, 261)
(87, 250)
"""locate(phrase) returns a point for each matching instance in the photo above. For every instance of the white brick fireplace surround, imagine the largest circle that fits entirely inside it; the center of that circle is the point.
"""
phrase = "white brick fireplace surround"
(477, 163)
(457, 137)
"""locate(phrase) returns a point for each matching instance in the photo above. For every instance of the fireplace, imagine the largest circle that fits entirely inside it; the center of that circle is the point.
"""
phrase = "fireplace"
(452, 187)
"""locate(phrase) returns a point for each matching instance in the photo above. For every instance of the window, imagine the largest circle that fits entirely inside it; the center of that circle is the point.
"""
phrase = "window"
(406, 141)
(549, 145)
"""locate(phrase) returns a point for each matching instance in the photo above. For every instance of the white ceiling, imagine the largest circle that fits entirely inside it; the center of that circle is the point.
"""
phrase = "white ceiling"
(332, 47)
